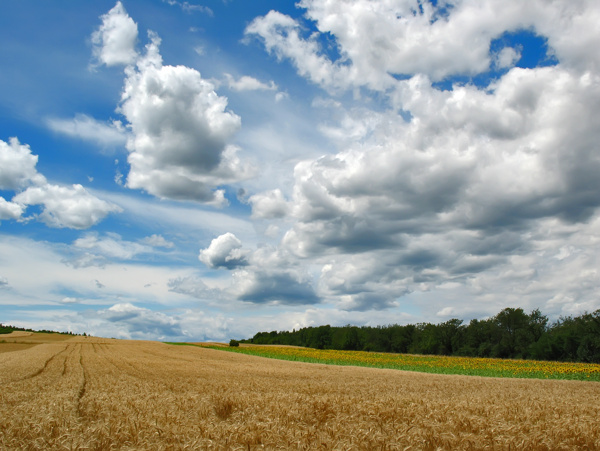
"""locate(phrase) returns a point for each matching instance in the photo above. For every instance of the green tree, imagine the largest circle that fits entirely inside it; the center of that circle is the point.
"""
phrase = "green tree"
(351, 339)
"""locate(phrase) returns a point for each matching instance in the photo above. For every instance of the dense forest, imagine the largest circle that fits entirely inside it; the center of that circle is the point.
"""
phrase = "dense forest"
(512, 333)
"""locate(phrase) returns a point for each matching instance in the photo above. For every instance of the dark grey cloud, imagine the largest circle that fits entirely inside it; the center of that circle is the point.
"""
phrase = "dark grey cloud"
(281, 287)
(365, 301)
(346, 234)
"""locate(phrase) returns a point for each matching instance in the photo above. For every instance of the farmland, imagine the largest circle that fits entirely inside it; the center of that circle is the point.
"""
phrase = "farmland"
(94, 393)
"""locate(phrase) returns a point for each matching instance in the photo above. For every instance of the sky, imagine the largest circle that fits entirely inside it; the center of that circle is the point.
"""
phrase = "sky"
(195, 171)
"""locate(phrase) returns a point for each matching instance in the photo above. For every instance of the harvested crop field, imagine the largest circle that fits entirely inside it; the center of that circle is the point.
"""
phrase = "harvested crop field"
(92, 393)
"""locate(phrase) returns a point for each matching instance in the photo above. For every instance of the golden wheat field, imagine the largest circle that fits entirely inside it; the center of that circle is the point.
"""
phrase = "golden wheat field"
(101, 394)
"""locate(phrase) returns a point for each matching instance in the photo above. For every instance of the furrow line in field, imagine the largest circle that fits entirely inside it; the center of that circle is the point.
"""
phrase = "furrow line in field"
(44, 368)
(72, 350)
(83, 386)
(25, 364)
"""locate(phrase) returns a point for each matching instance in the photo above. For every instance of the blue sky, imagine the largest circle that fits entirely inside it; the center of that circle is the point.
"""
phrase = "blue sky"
(206, 170)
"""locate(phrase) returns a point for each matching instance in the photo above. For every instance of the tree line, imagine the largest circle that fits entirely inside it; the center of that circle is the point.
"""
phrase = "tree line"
(5, 329)
(512, 333)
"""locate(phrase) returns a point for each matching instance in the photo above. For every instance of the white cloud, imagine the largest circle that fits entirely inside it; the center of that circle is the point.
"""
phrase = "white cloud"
(115, 281)
(185, 220)
(139, 322)
(85, 260)
(70, 300)
(281, 36)
(407, 204)
(572, 32)
(193, 286)
(225, 251)
(110, 246)
(90, 129)
(507, 57)
(92, 249)
(63, 206)
(10, 210)
(180, 131)
(73, 207)
(378, 39)
(190, 7)
(270, 204)
(247, 83)
(17, 166)
(280, 96)
(114, 41)
(130, 321)
(452, 195)
(158, 241)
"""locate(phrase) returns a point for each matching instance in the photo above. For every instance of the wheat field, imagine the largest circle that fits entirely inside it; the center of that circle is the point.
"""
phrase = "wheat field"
(102, 394)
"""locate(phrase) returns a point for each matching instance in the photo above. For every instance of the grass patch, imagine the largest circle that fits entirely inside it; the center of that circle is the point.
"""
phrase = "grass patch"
(533, 369)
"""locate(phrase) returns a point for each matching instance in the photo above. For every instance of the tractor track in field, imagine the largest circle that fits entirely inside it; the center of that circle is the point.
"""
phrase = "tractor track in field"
(82, 388)
(44, 368)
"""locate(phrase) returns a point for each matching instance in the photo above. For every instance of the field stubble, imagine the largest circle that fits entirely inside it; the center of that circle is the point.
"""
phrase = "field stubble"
(100, 394)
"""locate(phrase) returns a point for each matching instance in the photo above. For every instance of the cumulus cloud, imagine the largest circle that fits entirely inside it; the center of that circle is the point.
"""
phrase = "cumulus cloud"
(225, 251)
(273, 277)
(455, 191)
(270, 204)
(446, 187)
(180, 129)
(114, 41)
(62, 206)
(376, 40)
(87, 128)
(276, 286)
(180, 132)
(448, 167)
(17, 166)
(10, 210)
(264, 276)
(281, 35)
